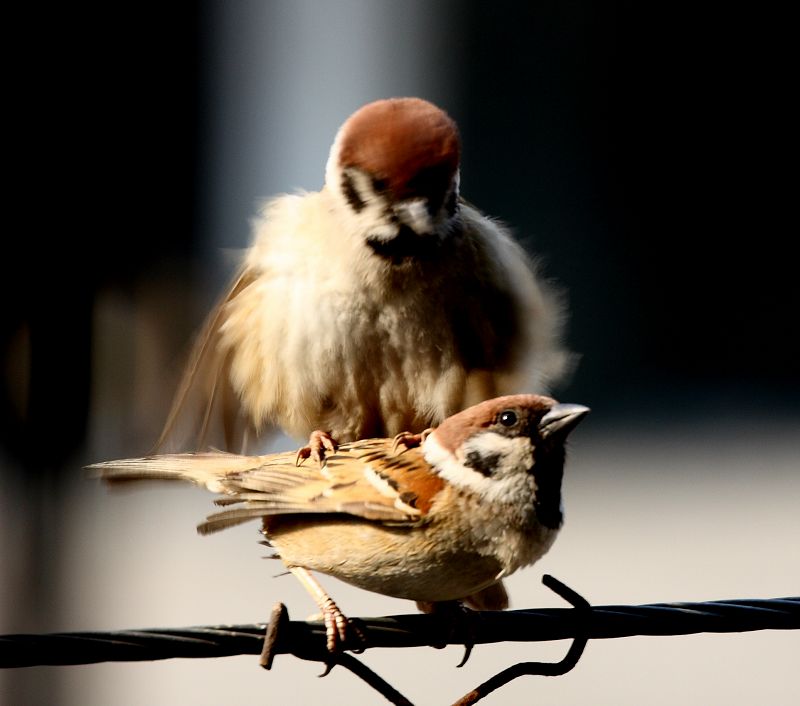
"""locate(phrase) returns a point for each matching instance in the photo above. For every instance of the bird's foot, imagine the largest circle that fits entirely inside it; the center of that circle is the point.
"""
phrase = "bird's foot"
(337, 627)
(340, 631)
(458, 622)
(405, 440)
(319, 443)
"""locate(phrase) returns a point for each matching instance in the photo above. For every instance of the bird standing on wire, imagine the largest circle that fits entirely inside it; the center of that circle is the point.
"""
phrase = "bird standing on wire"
(442, 521)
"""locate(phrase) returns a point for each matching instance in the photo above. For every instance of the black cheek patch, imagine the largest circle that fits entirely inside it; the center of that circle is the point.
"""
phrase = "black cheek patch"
(404, 246)
(351, 193)
(485, 465)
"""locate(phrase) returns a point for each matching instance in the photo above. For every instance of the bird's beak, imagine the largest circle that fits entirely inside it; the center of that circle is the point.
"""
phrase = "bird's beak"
(415, 214)
(562, 419)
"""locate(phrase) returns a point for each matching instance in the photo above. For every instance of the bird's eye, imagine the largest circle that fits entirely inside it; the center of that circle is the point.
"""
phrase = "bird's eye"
(507, 418)
(379, 186)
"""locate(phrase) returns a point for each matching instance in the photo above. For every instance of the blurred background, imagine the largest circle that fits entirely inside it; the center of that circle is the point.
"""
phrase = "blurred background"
(641, 153)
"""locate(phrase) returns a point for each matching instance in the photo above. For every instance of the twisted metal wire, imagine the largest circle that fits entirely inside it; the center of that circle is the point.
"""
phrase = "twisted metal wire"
(307, 640)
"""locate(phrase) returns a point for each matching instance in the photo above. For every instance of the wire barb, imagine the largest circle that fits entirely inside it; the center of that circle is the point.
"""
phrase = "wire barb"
(548, 669)
(277, 622)
(362, 671)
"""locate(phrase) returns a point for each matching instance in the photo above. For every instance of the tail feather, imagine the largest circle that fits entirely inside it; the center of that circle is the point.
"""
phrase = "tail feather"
(230, 518)
(204, 469)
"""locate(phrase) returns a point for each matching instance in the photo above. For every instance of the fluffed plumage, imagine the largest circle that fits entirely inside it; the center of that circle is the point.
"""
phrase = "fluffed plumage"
(380, 304)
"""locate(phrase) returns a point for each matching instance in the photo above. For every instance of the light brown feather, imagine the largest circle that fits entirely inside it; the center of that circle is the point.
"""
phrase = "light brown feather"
(205, 395)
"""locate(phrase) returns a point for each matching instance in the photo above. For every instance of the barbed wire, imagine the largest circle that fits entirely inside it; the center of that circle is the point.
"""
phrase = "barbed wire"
(307, 640)
(601, 622)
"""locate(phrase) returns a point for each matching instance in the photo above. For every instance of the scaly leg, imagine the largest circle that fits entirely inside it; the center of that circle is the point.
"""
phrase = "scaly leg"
(335, 621)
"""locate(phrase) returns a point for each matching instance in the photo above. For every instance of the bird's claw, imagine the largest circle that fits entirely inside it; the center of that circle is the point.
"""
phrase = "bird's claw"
(467, 652)
(319, 443)
(458, 621)
(408, 440)
(339, 630)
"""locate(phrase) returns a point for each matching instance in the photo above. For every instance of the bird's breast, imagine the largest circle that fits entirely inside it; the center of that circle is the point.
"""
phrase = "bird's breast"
(330, 337)
(345, 358)
(413, 563)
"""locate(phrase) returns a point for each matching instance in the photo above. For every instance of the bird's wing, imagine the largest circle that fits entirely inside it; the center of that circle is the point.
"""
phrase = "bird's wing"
(206, 409)
(365, 479)
(206, 469)
(512, 337)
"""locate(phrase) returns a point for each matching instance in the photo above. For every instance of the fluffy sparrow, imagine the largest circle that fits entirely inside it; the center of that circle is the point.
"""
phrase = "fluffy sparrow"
(380, 304)
(477, 499)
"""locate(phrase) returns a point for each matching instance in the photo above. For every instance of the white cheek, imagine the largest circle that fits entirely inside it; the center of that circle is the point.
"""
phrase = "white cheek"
(452, 470)
(516, 453)
(378, 229)
(511, 480)
(371, 219)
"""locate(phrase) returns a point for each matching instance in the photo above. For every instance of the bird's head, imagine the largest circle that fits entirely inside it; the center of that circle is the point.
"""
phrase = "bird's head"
(393, 168)
(509, 449)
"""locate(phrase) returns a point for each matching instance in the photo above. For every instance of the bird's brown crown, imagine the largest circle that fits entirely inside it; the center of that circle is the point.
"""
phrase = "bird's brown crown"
(408, 144)
(455, 429)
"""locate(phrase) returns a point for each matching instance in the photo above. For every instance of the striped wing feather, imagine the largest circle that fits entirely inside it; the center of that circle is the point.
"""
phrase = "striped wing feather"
(364, 479)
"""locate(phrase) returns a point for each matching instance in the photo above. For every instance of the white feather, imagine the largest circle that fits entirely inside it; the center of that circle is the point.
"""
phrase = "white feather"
(508, 484)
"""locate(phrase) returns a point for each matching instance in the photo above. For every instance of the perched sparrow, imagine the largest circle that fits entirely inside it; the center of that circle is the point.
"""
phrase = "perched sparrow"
(479, 498)
(380, 304)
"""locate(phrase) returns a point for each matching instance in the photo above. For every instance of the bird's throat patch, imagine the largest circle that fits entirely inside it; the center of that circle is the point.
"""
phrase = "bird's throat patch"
(404, 246)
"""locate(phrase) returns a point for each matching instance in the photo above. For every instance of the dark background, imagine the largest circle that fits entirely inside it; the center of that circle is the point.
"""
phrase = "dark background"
(641, 151)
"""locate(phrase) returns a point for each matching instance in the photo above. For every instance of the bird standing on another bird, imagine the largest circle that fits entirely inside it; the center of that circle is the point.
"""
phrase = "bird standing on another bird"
(479, 498)
(381, 304)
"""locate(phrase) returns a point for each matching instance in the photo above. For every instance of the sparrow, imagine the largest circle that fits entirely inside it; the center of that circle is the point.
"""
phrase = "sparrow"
(441, 520)
(382, 303)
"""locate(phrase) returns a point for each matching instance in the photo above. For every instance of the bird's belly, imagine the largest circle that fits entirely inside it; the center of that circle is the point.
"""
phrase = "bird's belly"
(359, 366)
(402, 562)
(374, 374)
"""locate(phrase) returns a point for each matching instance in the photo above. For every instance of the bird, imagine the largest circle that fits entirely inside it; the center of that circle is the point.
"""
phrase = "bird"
(435, 519)
(380, 304)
